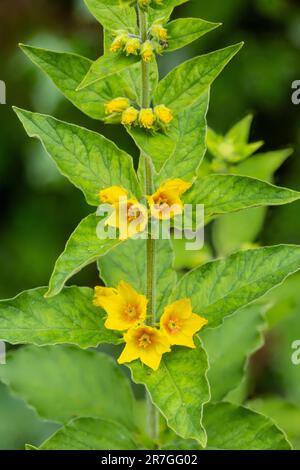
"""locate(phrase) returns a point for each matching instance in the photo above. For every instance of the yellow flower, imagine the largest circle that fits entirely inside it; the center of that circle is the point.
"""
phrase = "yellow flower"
(145, 343)
(163, 113)
(132, 46)
(117, 105)
(159, 32)
(128, 215)
(165, 203)
(118, 42)
(146, 118)
(129, 116)
(147, 51)
(125, 308)
(179, 323)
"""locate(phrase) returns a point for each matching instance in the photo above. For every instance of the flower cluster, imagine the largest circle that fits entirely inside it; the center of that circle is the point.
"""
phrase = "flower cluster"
(133, 45)
(164, 204)
(154, 119)
(127, 311)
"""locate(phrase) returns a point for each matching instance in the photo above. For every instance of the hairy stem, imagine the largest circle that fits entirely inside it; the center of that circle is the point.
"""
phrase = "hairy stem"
(152, 413)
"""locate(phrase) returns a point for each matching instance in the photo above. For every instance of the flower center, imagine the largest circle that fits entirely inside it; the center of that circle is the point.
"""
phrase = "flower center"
(144, 341)
(130, 312)
(174, 325)
(162, 202)
(133, 213)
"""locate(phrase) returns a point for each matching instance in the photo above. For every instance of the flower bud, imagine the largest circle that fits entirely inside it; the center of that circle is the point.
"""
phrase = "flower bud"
(147, 51)
(146, 118)
(129, 116)
(117, 105)
(144, 3)
(132, 46)
(163, 114)
(159, 32)
(118, 42)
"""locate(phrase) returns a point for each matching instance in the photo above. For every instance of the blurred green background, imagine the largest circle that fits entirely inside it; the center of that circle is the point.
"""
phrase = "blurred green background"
(40, 208)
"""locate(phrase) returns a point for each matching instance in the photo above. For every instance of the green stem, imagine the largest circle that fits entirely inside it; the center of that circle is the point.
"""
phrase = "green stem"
(152, 413)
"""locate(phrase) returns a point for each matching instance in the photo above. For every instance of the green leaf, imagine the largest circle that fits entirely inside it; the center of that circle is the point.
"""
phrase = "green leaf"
(128, 262)
(107, 65)
(82, 248)
(113, 16)
(231, 427)
(188, 133)
(68, 70)
(180, 150)
(219, 288)
(67, 318)
(89, 160)
(262, 165)
(232, 231)
(183, 86)
(284, 302)
(240, 132)
(229, 193)
(230, 347)
(158, 146)
(91, 434)
(284, 414)
(284, 355)
(133, 79)
(187, 86)
(63, 383)
(161, 15)
(186, 30)
(179, 389)
(230, 149)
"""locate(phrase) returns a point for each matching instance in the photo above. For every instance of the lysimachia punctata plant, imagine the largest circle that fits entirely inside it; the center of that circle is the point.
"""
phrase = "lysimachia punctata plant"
(186, 339)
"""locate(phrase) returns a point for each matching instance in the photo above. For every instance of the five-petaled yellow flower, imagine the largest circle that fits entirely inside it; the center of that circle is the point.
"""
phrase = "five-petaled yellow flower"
(128, 215)
(166, 202)
(145, 343)
(125, 308)
(117, 105)
(179, 323)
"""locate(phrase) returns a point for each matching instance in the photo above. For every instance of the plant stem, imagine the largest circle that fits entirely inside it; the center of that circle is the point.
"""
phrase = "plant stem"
(152, 413)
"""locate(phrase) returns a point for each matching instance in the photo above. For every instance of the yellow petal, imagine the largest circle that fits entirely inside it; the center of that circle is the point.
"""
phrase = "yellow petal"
(194, 324)
(129, 354)
(181, 308)
(151, 359)
(175, 186)
(112, 195)
(101, 293)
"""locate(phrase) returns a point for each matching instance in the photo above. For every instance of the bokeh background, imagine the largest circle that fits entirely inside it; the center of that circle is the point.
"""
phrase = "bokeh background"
(39, 208)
